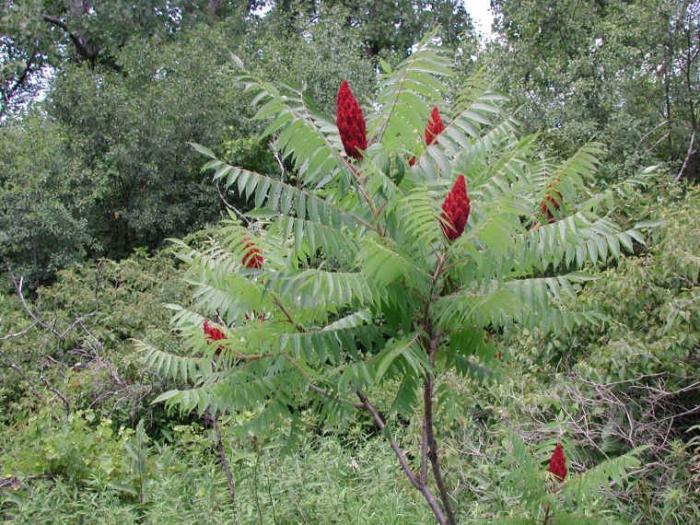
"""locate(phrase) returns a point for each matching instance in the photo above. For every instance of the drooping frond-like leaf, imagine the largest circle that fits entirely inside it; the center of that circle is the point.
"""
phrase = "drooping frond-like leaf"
(468, 127)
(383, 264)
(500, 303)
(602, 476)
(621, 192)
(319, 288)
(279, 196)
(331, 343)
(306, 137)
(404, 352)
(176, 367)
(418, 223)
(230, 294)
(575, 239)
(336, 243)
(572, 174)
(405, 97)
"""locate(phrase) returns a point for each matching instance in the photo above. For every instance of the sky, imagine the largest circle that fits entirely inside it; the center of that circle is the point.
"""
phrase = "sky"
(481, 15)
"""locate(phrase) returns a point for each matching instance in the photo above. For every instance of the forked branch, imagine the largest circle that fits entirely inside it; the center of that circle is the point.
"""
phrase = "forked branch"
(420, 484)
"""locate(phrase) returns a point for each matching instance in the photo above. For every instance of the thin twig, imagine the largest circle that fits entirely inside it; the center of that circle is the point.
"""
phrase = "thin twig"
(287, 314)
(20, 371)
(230, 206)
(14, 335)
(219, 444)
(317, 389)
(688, 156)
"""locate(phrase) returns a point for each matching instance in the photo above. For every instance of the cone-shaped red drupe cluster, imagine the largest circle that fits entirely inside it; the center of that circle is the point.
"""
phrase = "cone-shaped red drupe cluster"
(350, 122)
(434, 127)
(557, 463)
(252, 257)
(455, 209)
(549, 203)
(211, 332)
(432, 130)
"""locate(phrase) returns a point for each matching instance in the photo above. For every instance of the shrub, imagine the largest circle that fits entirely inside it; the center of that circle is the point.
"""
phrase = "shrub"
(373, 281)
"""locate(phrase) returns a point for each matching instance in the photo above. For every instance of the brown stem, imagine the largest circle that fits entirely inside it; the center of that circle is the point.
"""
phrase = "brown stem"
(432, 341)
(403, 461)
(325, 393)
(433, 448)
(424, 453)
(429, 428)
(363, 192)
(213, 420)
(545, 521)
(287, 314)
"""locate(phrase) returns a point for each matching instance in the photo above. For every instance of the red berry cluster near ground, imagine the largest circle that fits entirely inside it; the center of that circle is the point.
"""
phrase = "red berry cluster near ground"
(557, 463)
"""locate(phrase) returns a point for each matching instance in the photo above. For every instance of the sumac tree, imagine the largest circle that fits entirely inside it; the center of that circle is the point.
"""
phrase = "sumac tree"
(371, 279)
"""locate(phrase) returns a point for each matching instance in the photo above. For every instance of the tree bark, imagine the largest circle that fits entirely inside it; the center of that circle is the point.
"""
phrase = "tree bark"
(689, 170)
(85, 49)
(21, 79)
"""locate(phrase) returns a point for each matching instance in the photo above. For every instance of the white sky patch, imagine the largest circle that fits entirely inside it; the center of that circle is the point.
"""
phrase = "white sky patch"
(480, 11)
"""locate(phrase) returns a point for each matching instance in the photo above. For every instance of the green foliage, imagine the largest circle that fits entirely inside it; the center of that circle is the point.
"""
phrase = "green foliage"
(325, 481)
(94, 161)
(385, 30)
(311, 53)
(41, 194)
(139, 462)
(143, 175)
(94, 310)
(42, 36)
(632, 382)
(384, 302)
(71, 449)
(652, 327)
(603, 71)
(105, 167)
(531, 492)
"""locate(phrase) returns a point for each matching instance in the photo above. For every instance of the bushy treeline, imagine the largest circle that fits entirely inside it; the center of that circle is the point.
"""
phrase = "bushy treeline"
(99, 102)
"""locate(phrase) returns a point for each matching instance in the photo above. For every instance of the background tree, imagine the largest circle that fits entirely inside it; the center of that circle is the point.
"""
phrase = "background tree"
(624, 73)
(125, 119)
(389, 28)
(43, 36)
(42, 192)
